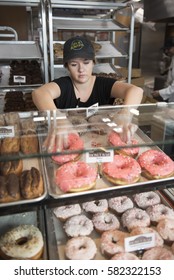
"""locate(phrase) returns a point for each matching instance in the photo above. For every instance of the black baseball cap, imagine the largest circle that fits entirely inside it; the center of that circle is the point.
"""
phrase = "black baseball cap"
(78, 47)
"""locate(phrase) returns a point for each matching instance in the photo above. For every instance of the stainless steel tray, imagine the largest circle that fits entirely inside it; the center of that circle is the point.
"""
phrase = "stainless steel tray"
(35, 218)
(57, 237)
(20, 50)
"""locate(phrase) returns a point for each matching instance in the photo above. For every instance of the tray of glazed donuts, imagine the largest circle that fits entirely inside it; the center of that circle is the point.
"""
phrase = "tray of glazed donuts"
(22, 180)
(100, 229)
(71, 173)
(22, 236)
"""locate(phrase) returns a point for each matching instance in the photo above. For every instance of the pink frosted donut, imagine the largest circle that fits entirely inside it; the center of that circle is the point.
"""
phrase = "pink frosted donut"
(120, 204)
(145, 199)
(156, 164)
(95, 206)
(165, 228)
(112, 242)
(105, 221)
(158, 212)
(141, 230)
(80, 248)
(123, 170)
(115, 140)
(78, 225)
(67, 211)
(158, 253)
(124, 256)
(74, 143)
(135, 217)
(75, 176)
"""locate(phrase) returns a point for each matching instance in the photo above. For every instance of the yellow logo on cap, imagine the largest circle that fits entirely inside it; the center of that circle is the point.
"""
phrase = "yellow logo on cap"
(77, 45)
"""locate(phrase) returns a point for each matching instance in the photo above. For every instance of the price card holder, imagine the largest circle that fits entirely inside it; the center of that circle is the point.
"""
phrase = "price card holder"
(100, 156)
(139, 242)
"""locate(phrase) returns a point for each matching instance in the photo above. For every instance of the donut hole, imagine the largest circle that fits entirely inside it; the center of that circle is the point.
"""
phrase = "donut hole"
(108, 220)
(139, 217)
(22, 240)
(82, 247)
(97, 202)
(113, 240)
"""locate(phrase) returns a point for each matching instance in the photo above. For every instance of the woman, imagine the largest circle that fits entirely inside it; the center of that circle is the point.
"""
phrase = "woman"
(81, 88)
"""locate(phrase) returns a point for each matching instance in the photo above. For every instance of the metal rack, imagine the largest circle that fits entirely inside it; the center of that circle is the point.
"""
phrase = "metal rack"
(90, 23)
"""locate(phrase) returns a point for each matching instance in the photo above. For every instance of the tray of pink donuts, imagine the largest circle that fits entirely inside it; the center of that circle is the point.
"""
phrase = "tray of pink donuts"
(105, 228)
(73, 172)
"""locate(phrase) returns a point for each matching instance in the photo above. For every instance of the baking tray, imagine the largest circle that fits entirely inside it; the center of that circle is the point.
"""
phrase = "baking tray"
(57, 237)
(20, 50)
(35, 218)
(102, 185)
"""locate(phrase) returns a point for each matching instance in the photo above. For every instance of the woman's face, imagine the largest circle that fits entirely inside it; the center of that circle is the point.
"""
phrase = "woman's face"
(80, 69)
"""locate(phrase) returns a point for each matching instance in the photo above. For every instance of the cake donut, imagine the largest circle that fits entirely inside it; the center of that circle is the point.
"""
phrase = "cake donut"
(115, 140)
(142, 230)
(120, 204)
(78, 225)
(8, 167)
(75, 177)
(158, 212)
(105, 221)
(22, 242)
(67, 211)
(80, 248)
(95, 206)
(112, 242)
(123, 170)
(165, 228)
(135, 217)
(158, 253)
(74, 143)
(145, 199)
(124, 256)
(156, 164)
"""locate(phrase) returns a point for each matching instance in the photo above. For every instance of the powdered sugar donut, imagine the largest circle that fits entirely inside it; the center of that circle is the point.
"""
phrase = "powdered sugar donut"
(158, 212)
(158, 253)
(112, 242)
(123, 170)
(145, 199)
(78, 225)
(115, 140)
(67, 211)
(165, 228)
(141, 230)
(124, 256)
(80, 248)
(95, 206)
(76, 176)
(74, 143)
(156, 164)
(120, 204)
(135, 217)
(105, 221)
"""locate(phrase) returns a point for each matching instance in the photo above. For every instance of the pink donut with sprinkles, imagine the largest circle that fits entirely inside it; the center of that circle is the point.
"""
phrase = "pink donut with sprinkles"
(156, 164)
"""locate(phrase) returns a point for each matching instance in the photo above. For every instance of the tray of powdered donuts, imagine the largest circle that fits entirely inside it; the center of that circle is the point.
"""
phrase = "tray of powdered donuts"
(22, 236)
(100, 229)
(75, 172)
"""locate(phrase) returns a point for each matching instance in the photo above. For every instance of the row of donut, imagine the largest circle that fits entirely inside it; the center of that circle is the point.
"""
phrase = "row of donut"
(115, 219)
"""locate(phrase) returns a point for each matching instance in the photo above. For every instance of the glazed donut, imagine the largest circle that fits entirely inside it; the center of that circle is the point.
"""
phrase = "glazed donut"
(158, 253)
(156, 164)
(67, 211)
(123, 170)
(95, 206)
(120, 204)
(145, 199)
(112, 242)
(124, 256)
(105, 221)
(141, 230)
(80, 248)
(135, 217)
(78, 225)
(158, 212)
(75, 177)
(165, 228)
(115, 140)
(22, 242)
(74, 143)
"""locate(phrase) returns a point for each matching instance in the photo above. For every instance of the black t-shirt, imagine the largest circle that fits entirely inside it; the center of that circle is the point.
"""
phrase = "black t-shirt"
(101, 93)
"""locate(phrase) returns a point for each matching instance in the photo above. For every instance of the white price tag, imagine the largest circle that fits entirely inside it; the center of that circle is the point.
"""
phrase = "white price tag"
(100, 156)
(139, 242)
(92, 110)
(6, 131)
(19, 79)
